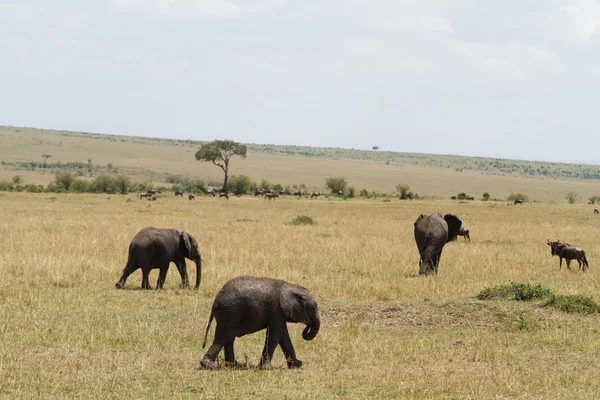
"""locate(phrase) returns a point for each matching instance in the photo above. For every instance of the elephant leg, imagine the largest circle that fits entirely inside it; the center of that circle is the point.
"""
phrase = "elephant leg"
(222, 338)
(162, 275)
(229, 355)
(436, 262)
(182, 268)
(288, 350)
(128, 270)
(145, 279)
(274, 333)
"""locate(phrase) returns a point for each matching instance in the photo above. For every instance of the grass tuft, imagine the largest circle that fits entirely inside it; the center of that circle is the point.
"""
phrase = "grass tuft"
(303, 220)
(516, 291)
(574, 304)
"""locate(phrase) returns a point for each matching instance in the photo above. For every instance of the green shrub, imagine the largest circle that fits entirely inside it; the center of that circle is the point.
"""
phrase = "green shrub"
(34, 188)
(364, 193)
(303, 220)
(574, 304)
(351, 192)
(239, 184)
(5, 186)
(517, 291)
(462, 196)
(336, 185)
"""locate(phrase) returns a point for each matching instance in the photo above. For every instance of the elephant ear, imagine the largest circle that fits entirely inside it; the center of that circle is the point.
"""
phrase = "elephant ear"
(185, 238)
(420, 217)
(454, 224)
(292, 301)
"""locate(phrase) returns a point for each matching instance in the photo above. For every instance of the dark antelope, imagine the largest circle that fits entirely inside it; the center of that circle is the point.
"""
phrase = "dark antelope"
(568, 252)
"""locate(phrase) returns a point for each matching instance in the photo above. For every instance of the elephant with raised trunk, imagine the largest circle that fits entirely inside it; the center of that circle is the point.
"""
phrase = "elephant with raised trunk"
(154, 248)
(248, 304)
(432, 232)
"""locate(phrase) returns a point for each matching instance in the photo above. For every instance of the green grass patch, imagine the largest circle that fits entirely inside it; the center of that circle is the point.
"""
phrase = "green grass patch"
(574, 304)
(516, 291)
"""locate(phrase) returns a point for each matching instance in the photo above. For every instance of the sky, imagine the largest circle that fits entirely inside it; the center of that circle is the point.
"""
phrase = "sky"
(509, 79)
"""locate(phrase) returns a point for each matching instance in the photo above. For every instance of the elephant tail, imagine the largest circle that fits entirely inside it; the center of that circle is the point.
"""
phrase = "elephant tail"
(212, 315)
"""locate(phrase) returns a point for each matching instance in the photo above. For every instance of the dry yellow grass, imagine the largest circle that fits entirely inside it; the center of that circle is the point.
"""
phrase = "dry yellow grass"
(66, 332)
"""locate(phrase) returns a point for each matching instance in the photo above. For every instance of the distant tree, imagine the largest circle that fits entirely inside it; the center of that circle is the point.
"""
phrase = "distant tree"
(46, 157)
(219, 152)
(486, 196)
(403, 189)
(17, 179)
(571, 197)
(336, 185)
(277, 188)
(240, 184)
(375, 148)
(363, 193)
(462, 196)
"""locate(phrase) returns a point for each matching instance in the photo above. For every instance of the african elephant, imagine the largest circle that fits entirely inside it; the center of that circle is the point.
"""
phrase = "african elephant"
(432, 232)
(248, 304)
(156, 248)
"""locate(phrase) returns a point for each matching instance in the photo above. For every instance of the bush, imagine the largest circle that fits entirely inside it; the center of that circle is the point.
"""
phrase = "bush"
(239, 184)
(65, 179)
(571, 197)
(17, 180)
(404, 190)
(265, 184)
(5, 186)
(364, 193)
(34, 188)
(462, 196)
(517, 291)
(336, 185)
(486, 196)
(594, 199)
(518, 196)
(351, 192)
(277, 188)
(303, 220)
(574, 304)
(80, 186)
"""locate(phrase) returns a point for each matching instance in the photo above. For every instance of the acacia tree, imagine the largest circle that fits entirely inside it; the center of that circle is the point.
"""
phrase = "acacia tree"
(219, 152)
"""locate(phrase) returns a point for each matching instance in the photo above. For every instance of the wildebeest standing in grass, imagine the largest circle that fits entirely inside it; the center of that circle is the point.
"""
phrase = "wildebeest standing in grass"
(432, 232)
(518, 201)
(595, 211)
(568, 252)
(153, 248)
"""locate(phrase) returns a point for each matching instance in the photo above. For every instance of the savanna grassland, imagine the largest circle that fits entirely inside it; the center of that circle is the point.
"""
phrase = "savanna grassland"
(386, 332)
(154, 160)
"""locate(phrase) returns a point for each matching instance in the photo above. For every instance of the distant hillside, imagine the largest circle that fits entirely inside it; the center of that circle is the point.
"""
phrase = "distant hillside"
(28, 150)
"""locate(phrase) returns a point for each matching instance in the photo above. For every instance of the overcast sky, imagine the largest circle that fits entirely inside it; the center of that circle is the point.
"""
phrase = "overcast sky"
(510, 78)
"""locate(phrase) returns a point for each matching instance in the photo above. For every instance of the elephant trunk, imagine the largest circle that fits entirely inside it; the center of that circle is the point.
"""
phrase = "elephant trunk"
(198, 272)
(311, 330)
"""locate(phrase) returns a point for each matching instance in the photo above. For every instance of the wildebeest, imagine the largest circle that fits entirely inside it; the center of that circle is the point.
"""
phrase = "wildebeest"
(271, 196)
(224, 194)
(471, 198)
(462, 232)
(298, 193)
(145, 195)
(210, 192)
(453, 198)
(568, 252)
(595, 211)
(151, 198)
(151, 191)
(178, 193)
(191, 196)
(518, 201)
(259, 192)
(315, 194)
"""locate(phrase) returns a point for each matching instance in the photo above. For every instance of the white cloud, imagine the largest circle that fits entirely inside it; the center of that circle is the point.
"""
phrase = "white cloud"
(264, 6)
(578, 20)
(184, 8)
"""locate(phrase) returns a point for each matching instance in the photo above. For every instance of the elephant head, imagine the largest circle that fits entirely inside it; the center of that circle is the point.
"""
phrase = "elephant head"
(298, 305)
(192, 252)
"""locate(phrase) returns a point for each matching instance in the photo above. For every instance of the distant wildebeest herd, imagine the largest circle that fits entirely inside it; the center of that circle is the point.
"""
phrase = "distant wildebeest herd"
(247, 304)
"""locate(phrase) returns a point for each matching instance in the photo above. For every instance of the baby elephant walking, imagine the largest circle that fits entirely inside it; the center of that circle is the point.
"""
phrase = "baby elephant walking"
(154, 248)
(248, 304)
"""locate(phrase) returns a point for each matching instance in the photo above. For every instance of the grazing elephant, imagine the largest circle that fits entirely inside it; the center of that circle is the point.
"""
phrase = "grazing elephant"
(432, 232)
(154, 248)
(248, 304)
